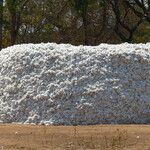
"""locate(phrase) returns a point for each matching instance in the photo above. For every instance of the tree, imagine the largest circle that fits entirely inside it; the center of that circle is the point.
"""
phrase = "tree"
(15, 8)
(1, 23)
(81, 6)
(141, 8)
(87, 22)
(129, 15)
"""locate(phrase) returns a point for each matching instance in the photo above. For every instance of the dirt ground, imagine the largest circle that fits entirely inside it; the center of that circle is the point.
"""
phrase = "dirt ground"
(102, 137)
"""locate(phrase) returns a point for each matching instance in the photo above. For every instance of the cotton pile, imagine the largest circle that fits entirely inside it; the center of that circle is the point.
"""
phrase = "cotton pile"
(61, 84)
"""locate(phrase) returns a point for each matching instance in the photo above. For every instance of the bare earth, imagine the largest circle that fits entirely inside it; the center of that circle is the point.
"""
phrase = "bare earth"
(102, 137)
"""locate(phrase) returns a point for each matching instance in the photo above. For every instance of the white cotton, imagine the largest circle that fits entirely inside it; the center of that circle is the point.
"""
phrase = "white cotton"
(75, 85)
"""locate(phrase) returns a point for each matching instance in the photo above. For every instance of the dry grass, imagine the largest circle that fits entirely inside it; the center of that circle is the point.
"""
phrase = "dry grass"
(103, 137)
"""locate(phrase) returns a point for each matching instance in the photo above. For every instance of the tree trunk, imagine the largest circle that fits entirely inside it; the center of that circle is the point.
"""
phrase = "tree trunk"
(13, 34)
(1, 23)
(15, 20)
(84, 17)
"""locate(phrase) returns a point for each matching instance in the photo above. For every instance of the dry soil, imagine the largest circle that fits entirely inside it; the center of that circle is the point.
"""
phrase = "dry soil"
(102, 137)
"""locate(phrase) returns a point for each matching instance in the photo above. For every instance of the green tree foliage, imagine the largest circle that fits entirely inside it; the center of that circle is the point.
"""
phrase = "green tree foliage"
(142, 35)
(1, 23)
(15, 8)
(86, 22)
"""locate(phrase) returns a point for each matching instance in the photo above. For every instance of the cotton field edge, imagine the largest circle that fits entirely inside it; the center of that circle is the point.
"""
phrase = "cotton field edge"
(75, 85)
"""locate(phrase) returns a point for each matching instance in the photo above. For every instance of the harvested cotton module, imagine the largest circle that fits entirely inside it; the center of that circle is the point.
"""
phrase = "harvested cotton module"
(75, 85)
